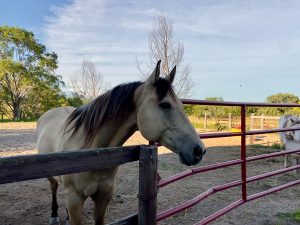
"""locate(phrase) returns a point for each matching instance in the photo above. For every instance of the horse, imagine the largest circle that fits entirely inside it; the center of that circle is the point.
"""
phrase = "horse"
(289, 121)
(151, 107)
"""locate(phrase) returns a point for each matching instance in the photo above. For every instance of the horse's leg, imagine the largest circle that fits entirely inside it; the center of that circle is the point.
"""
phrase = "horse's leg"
(101, 201)
(286, 157)
(286, 161)
(54, 219)
(74, 206)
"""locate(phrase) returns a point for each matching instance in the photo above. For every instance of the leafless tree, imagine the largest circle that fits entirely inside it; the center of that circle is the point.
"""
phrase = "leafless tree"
(163, 47)
(87, 81)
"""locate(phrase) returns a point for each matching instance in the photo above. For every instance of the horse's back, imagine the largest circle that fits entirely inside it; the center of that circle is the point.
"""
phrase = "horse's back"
(50, 128)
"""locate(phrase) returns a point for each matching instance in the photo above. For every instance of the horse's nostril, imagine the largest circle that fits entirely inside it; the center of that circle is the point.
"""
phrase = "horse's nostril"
(198, 152)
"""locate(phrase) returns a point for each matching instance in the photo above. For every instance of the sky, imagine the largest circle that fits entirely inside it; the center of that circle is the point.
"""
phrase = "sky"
(241, 50)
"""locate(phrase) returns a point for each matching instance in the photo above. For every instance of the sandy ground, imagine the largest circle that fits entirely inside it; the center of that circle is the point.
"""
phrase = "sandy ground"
(28, 203)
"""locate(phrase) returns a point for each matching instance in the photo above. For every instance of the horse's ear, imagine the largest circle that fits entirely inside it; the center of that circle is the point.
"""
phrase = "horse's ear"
(155, 74)
(171, 76)
(294, 119)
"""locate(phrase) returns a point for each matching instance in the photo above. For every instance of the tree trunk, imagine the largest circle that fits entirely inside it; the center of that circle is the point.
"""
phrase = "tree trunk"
(16, 111)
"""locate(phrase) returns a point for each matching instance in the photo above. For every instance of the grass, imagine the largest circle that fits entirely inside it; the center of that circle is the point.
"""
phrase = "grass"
(293, 217)
(23, 120)
(199, 123)
(274, 145)
(259, 146)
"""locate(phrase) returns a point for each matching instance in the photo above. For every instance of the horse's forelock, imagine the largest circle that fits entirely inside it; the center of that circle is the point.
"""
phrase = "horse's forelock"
(162, 87)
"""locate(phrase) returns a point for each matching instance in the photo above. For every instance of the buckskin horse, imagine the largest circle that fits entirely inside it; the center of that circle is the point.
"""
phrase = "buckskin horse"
(108, 121)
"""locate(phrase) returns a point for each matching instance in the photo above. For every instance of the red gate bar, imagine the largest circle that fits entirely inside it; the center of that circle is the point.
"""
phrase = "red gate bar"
(194, 171)
(270, 155)
(234, 205)
(243, 161)
(243, 153)
(220, 213)
(252, 104)
(232, 134)
(185, 205)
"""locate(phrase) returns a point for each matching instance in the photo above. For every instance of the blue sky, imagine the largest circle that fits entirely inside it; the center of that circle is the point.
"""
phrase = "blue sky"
(238, 50)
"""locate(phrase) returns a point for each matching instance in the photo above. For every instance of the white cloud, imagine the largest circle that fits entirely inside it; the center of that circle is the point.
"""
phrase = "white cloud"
(88, 28)
(223, 39)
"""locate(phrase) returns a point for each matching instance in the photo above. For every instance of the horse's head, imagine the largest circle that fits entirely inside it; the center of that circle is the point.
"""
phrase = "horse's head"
(161, 118)
(293, 120)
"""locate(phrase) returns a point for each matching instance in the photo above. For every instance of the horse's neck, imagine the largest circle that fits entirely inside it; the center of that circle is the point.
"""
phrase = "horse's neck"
(115, 133)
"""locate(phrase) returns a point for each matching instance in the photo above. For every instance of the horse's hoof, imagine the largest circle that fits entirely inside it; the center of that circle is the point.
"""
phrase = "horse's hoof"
(67, 222)
(54, 220)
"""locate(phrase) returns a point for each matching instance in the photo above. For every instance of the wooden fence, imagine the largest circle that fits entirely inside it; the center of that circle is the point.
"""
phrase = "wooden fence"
(29, 167)
(256, 122)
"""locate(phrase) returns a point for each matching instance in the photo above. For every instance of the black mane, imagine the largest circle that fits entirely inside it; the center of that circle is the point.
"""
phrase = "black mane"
(114, 105)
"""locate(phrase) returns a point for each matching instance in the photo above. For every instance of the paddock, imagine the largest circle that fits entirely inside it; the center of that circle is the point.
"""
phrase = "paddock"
(17, 203)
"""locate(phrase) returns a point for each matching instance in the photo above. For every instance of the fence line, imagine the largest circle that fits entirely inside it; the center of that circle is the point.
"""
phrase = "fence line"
(21, 168)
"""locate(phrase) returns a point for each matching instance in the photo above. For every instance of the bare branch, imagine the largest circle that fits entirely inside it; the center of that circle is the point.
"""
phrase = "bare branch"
(87, 81)
(162, 46)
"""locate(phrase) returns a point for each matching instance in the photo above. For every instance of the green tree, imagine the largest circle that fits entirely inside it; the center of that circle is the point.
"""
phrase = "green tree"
(280, 98)
(283, 98)
(25, 68)
(217, 112)
(76, 100)
(40, 99)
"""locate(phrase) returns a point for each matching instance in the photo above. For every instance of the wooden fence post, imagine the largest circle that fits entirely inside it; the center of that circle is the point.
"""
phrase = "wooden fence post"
(229, 121)
(147, 186)
(205, 121)
(262, 122)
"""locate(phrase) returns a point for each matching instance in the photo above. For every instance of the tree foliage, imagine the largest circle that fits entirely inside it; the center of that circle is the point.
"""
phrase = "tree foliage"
(28, 83)
(283, 98)
(76, 100)
(280, 98)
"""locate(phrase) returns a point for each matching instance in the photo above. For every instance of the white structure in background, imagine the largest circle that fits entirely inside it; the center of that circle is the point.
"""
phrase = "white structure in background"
(290, 139)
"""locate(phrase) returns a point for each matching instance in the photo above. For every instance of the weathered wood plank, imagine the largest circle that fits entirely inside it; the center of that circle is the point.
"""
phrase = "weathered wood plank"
(147, 186)
(129, 220)
(20, 168)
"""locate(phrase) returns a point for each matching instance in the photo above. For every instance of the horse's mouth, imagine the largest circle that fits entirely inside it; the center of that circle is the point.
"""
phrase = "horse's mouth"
(183, 160)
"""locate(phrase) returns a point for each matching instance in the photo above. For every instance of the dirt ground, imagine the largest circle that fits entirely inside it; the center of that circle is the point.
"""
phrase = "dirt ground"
(28, 203)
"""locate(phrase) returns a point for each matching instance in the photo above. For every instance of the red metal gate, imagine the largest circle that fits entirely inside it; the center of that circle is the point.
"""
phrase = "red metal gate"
(242, 161)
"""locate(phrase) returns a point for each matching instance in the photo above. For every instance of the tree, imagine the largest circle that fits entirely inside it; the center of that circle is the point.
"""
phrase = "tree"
(25, 65)
(162, 46)
(281, 98)
(41, 99)
(87, 81)
(217, 112)
(76, 100)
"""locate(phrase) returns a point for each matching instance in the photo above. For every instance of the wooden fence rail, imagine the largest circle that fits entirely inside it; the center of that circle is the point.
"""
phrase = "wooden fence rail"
(29, 167)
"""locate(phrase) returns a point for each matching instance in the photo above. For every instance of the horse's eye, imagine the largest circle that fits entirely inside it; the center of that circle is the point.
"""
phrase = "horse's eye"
(165, 105)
